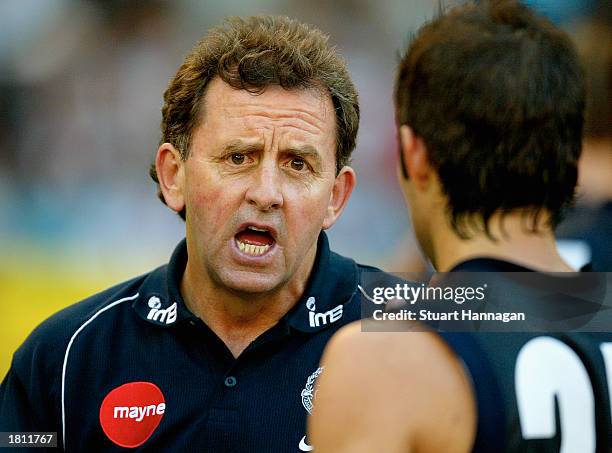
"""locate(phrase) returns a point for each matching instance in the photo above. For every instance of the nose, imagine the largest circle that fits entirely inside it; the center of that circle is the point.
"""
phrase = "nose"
(264, 191)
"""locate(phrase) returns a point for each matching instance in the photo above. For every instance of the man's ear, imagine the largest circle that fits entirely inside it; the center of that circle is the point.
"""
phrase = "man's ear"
(414, 157)
(171, 175)
(341, 192)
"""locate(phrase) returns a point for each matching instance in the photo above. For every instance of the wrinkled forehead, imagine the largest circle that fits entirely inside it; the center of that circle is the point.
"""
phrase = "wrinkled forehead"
(304, 111)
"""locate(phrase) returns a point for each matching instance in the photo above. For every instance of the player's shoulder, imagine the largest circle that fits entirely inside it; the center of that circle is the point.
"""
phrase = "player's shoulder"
(49, 339)
(400, 355)
(396, 344)
(407, 373)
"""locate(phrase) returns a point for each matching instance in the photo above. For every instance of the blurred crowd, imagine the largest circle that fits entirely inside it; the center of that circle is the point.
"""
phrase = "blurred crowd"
(80, 94)
(586, 234)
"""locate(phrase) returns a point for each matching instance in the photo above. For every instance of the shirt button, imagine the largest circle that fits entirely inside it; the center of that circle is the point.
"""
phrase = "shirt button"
(230, 381)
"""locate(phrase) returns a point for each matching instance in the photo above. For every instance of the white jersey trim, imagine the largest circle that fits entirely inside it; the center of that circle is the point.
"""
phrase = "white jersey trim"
(95, 315)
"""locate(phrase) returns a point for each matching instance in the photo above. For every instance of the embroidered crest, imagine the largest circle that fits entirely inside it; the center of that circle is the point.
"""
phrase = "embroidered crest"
(308, 394)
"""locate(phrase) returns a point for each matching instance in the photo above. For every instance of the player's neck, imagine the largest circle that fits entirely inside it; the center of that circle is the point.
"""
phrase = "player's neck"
(513, 241)
(239, 318)
(595, 168)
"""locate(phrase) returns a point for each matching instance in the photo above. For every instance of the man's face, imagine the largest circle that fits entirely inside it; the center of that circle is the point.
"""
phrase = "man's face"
(258, 185)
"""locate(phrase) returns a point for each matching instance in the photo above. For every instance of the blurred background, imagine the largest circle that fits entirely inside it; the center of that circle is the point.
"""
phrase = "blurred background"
(80, 96)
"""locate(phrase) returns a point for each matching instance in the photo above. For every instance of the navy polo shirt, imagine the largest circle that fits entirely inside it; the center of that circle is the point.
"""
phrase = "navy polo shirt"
(132, 367)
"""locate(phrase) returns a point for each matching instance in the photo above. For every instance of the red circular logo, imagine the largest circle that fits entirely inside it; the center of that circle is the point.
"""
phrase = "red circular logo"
(130, 413)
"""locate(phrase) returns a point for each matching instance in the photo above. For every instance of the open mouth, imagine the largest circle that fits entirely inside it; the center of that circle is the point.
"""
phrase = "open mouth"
(254, 241)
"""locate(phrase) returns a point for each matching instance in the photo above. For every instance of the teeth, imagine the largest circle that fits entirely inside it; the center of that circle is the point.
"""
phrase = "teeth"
(261, 230)
(251, 249)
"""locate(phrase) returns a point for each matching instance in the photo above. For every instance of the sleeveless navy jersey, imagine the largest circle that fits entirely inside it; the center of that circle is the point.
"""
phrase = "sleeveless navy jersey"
(133, 368)
(537, 393)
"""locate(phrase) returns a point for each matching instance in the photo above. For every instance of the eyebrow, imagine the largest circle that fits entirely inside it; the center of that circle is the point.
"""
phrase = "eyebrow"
(239, 146)
(306, 151)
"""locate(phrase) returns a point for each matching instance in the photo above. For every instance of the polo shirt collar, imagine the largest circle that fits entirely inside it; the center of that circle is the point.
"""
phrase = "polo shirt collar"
(160, 302)
(332, 283)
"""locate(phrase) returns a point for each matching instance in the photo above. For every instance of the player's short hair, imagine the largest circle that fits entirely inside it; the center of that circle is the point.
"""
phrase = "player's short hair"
(496, 92)
(250, 54)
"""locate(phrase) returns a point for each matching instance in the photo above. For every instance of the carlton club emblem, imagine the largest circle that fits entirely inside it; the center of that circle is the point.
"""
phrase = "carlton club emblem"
(308, 394)
(131, 413)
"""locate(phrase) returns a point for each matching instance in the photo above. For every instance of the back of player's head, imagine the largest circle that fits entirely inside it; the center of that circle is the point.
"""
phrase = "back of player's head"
(497, 95)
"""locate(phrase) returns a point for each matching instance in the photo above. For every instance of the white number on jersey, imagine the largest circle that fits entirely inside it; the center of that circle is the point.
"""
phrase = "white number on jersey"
(547, 368)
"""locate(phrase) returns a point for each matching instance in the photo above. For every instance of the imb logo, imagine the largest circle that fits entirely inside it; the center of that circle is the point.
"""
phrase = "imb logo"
(161, 315)
(130, 413)
(321, 319)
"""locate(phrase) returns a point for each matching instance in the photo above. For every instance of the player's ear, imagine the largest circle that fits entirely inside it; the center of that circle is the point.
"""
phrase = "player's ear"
(341, 192)
(414, 157)
(170, 173)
